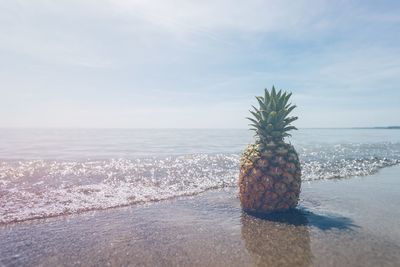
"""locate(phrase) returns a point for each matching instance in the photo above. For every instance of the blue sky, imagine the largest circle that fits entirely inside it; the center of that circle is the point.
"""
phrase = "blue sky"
(197, 64)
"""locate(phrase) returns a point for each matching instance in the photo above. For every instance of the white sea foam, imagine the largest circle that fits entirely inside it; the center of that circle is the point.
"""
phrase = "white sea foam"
(37, 188)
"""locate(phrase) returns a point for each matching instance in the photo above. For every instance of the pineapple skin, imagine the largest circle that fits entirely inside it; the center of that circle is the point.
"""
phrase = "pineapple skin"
(270, 178)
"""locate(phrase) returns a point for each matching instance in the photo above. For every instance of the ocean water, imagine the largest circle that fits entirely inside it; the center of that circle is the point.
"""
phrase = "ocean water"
(50, 172)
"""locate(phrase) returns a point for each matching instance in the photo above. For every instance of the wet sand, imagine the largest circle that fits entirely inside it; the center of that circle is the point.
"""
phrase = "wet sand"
(353, 222)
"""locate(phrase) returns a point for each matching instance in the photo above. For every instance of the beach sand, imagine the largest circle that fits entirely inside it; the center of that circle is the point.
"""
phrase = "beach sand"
(351, 222)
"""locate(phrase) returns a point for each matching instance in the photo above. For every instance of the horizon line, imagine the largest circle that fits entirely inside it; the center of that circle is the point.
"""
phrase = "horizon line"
(189, 128)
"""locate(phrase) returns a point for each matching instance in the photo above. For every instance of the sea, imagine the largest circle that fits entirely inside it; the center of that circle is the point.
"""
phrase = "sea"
(51, 172)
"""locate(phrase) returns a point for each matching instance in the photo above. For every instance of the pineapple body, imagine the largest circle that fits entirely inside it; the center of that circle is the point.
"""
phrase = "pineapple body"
(270, 173)
(269, 180)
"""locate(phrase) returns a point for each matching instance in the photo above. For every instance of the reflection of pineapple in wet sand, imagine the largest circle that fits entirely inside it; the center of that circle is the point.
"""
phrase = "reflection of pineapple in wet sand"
(270, 176)
(273, 243)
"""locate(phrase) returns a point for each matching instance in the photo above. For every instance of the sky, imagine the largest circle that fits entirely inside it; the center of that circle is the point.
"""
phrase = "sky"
(197, 64)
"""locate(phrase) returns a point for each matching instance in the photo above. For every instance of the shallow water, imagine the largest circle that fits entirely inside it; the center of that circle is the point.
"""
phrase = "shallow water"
(338, 223)
(49, 172)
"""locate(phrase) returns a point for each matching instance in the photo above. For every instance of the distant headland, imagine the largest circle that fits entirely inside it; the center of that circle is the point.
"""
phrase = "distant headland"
(388, 127)
(382, 127)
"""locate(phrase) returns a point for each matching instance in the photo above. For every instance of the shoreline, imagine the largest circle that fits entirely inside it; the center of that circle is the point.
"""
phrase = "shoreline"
(347, 222)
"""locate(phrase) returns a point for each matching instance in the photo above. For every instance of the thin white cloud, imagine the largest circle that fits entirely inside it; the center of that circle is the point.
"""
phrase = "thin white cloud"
(182, 17)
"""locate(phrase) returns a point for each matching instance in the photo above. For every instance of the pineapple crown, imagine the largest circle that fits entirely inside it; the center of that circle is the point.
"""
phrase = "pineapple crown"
(271, 121)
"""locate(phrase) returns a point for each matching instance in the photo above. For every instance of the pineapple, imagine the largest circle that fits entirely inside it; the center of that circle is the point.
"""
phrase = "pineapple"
(270, 175)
